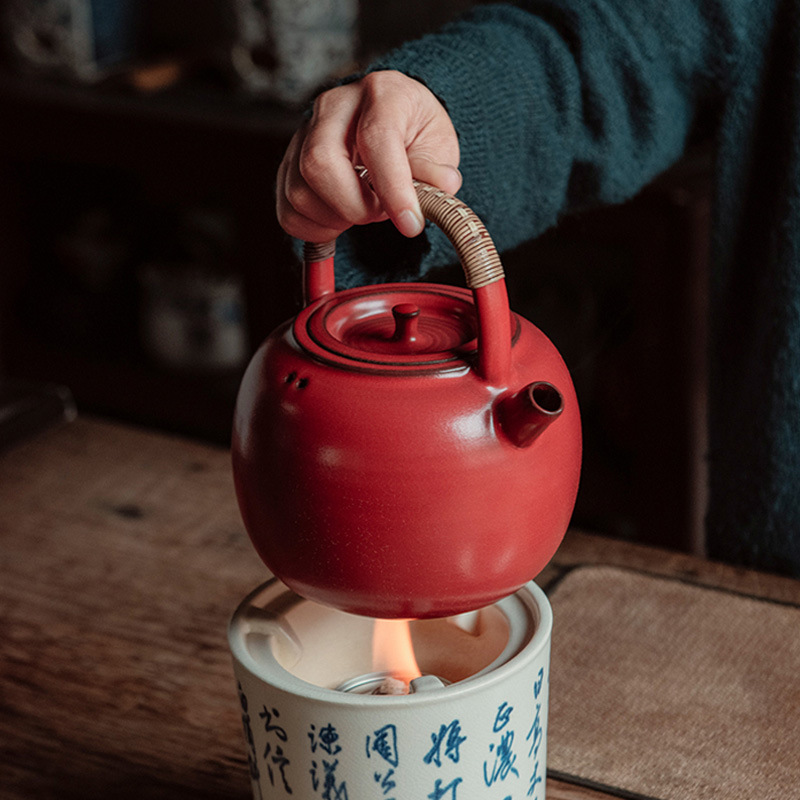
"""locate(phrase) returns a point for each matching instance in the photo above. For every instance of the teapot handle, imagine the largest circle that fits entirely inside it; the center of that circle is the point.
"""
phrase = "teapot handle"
(479, 260)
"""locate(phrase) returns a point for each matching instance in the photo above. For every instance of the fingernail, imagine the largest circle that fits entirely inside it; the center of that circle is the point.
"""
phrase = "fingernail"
(410, 223)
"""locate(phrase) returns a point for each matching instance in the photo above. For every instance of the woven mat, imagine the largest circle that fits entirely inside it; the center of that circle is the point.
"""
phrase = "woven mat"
(663, 689)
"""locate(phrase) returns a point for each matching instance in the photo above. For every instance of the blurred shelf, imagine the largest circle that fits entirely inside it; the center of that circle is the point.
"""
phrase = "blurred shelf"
(197, 105)
(192, 146)
(204, 137)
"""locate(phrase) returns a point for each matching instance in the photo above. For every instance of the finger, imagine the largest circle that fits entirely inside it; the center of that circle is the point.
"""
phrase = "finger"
(443, 176)
(326, 157)
(294, 195)
(307, 229)
(382, 148)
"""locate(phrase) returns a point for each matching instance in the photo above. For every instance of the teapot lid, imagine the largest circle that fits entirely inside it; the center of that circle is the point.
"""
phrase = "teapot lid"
(397, 327)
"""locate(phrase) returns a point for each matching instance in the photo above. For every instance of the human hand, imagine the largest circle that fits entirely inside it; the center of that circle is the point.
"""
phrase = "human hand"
(396, 128)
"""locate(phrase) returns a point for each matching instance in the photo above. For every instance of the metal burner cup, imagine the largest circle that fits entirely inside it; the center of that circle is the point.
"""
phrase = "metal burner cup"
(473, 727)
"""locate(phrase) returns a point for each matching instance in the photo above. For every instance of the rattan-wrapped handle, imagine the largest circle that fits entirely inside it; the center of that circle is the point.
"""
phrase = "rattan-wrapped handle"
(461, 225)
(463, 228)
(479, 259)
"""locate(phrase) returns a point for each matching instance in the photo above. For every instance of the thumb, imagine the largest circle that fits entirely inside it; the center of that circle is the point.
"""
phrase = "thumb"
(443, 176)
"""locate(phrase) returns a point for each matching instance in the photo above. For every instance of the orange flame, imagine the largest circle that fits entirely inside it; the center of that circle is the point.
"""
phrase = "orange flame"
(393, 651)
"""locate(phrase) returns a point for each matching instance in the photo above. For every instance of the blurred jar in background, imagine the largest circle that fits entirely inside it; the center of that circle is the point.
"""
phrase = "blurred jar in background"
(83, 40)
(286, 49)
(192, 314)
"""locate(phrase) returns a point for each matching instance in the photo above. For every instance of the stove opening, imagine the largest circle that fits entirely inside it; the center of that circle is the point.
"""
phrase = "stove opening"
(350, 653)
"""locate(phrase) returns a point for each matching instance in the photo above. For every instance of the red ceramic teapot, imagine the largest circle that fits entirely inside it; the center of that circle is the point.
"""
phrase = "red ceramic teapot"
(407, 450)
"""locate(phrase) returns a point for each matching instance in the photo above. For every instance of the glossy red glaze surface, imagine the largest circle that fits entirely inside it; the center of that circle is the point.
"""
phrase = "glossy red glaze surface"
(371, 464)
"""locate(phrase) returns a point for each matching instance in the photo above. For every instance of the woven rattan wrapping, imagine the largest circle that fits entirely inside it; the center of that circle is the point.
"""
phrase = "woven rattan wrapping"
(663, 689)
(462, 227)
(318, 251)
(460, 224)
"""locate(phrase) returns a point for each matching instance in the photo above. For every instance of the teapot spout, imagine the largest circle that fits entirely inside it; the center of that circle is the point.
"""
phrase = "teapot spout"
(525, 414)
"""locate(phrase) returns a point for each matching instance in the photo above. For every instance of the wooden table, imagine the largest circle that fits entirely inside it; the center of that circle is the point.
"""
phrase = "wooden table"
(123, 556)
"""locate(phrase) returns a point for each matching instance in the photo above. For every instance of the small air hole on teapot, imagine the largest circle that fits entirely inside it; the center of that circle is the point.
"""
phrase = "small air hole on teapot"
(290, 377)
(302, 383)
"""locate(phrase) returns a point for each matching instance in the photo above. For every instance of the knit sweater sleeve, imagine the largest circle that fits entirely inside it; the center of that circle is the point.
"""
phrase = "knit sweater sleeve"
(560, 104)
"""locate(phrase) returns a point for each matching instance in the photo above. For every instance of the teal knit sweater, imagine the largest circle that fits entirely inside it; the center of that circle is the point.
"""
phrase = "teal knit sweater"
(562, 104)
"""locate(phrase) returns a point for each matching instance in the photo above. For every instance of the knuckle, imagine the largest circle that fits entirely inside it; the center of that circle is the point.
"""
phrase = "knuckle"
(330, 99)
(315, 161)
(383, 80)
(301, 227)
(292, 222)
(297, 197)
(390, 86)
(373, 83)
(363, 217)
(373, 134)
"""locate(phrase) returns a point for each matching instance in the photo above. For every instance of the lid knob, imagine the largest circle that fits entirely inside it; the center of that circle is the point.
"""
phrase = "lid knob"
(406, 323)
(482, 270)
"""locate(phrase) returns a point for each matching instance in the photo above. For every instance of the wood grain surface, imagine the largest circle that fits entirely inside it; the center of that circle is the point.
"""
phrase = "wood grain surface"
(123, 556)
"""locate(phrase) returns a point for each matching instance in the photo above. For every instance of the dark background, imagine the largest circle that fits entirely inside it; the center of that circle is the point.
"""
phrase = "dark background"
(98, 179)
